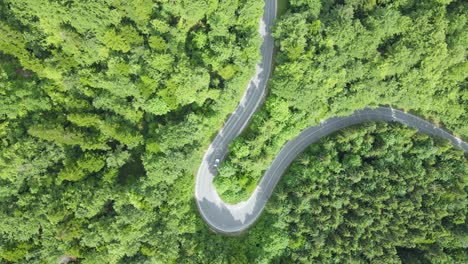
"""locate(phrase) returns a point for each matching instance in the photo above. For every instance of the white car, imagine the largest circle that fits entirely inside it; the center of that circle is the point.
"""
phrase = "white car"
(216, 163)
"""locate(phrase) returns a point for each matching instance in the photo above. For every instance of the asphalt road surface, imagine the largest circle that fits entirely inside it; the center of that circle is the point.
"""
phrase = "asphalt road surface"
(233, 219)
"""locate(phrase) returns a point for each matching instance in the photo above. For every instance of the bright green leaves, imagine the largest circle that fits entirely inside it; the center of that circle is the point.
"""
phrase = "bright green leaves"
(104, 106)
(348, 56)
(313, 6)
(19, 94)
(352, 160)
(153, 147)
(366, 53)
(85, 120)
(122, 39)
(139, 11)
(160, 26)
(185, 88)
(200, 40)
(119, 106)
(279, 109)
(26, 160)
(386, 194)
(13, 43)
(67, 137)
(111, 128)
(191, 12)
(292, 32)
(156, 106)
(157, 43)
(14, 254)
(227, 72)
(88, 164)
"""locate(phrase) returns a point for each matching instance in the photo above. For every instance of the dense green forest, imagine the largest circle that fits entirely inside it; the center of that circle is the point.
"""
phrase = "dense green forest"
(378, 193)
(107, 106)
(338, 56)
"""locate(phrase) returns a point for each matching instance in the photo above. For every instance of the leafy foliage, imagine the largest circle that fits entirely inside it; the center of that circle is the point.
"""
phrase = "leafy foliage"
(338, 56)
(104, 106)
(107, 106)
(374, 193)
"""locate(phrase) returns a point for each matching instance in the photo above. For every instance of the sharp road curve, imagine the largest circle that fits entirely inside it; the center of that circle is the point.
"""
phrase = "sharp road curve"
(235, 218)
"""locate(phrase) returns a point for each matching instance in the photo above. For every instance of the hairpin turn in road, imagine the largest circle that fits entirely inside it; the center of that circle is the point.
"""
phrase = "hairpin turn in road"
(233, 219)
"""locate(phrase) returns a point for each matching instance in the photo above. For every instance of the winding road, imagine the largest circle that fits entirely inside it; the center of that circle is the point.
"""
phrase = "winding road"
(232, 219)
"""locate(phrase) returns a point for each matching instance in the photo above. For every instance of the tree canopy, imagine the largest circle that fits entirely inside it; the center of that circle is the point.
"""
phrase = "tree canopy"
(339, 56)
(375, 193)
(104, 107)
(107, 106)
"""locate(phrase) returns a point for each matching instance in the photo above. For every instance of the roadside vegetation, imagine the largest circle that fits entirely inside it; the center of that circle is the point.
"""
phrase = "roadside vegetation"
(373, 193)
(335, 57)
(107, 106)
(105, 110)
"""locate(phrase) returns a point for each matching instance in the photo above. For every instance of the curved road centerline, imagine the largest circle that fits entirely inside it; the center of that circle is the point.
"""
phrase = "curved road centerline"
(235, 218)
